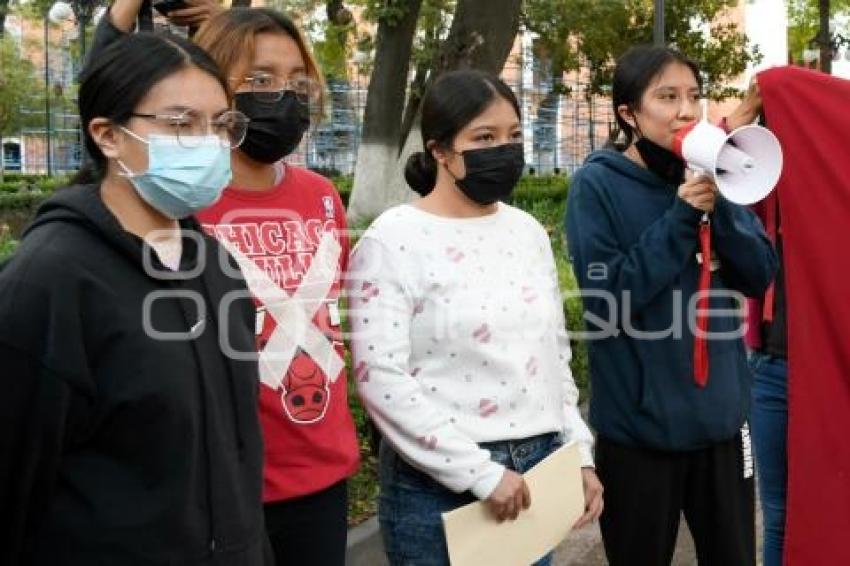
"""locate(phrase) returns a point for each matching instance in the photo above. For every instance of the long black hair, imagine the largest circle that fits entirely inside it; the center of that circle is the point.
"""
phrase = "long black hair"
(114, 83)
(453, 101)
(635, 70)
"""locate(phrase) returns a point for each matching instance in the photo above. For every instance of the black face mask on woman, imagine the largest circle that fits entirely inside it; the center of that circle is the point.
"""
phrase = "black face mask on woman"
(275, 128)
(661, 161)
(492, 172)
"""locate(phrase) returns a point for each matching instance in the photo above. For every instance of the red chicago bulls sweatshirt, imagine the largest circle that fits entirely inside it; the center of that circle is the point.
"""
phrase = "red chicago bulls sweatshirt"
(292, 246)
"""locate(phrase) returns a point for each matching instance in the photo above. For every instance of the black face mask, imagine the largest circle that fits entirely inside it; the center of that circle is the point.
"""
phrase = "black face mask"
(275, 129)
(491, 173)
(661, 161)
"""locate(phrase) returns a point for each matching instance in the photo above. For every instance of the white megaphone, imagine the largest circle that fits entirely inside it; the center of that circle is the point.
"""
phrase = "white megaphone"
(745, 164)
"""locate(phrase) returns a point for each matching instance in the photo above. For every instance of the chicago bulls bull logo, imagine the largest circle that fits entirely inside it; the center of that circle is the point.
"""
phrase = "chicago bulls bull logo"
(306, 391)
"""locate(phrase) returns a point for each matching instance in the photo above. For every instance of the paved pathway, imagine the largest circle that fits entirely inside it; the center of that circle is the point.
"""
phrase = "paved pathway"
(584, 547)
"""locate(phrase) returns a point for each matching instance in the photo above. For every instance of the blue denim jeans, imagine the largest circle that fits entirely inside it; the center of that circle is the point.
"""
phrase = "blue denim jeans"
(411, 503)
(769, 422)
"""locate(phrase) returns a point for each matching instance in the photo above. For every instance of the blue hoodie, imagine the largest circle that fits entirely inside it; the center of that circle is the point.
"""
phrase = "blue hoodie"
(633, 244)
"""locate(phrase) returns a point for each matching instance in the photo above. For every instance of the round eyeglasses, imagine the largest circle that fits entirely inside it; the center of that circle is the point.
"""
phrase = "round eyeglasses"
(269, 88)
(190, 127)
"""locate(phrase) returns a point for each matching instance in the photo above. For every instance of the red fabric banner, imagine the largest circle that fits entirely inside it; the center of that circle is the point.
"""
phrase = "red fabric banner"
(810, 114)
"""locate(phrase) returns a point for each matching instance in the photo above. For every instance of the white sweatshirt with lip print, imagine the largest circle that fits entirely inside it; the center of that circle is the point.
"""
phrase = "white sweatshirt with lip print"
(458, 337)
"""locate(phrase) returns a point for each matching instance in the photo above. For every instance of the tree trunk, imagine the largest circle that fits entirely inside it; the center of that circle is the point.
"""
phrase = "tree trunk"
(376, 179)
(824, 37)
(414, 99)
(480, 38)
(4, 9)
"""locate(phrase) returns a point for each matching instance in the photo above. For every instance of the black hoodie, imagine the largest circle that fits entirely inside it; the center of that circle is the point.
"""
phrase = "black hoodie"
(117, 446)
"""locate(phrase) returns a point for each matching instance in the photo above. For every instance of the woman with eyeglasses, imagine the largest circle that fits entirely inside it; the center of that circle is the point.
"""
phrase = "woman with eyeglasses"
(286, 227)
(127, 434)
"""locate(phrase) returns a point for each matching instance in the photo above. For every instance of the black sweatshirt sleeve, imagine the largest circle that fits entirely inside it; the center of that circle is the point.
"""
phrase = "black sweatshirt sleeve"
(46, 389)
(33, 412)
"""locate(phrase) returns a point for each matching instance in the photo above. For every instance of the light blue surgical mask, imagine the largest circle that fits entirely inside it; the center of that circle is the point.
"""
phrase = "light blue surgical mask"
(181, 181)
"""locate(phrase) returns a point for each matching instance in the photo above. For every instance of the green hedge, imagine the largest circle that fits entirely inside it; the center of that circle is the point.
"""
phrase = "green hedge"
(27, 191)
(530, 188)
(19, 191)
(7, 243)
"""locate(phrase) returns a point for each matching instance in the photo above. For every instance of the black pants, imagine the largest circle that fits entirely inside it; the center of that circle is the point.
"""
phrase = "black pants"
(646, 491)
(310, 530)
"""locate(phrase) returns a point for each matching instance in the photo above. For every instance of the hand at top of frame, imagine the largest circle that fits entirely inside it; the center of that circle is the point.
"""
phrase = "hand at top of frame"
(197, 12)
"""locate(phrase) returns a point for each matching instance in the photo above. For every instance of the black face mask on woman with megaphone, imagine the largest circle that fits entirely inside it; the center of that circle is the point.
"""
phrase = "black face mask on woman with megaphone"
(661, 161)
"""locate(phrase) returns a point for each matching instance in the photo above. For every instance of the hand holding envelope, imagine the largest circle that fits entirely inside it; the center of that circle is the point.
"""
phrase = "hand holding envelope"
(475, 536)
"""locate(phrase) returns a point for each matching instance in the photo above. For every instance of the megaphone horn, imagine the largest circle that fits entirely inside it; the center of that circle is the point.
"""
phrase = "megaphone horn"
(745, 164)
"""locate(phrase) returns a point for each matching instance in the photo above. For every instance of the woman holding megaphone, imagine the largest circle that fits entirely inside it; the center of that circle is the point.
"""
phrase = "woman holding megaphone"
(662, 261)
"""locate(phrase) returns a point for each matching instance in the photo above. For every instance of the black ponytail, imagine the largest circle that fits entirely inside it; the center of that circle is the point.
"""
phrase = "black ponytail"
(454, 100)
(421, 172)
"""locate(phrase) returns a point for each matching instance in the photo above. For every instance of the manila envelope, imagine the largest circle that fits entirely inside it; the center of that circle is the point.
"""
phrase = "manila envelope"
(475, 537)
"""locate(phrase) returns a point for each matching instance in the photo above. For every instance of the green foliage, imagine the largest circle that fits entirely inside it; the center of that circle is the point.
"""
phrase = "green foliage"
(332, 52)
(804, 24)
(21, 192)
(7, 243)
(598, 31)
(363, 487)
(17, 83)
(433, 25)
(32, 9)
(390, 11)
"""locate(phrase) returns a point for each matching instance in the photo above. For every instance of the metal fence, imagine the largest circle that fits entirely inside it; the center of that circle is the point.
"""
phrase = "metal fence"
(561, 126)
(560, 130)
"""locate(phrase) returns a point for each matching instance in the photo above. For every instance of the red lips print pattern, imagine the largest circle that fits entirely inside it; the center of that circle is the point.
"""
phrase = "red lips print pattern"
(369, 291)
(529, 295)
(487, 407)
(418, 307)
(482, 334)
(455, 254)
(361, 372)
(531, 366)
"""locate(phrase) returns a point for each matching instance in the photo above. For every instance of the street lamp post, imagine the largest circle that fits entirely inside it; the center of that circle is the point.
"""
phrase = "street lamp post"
(82, 11)
(658, 24)
(47, 94)
(824, 37)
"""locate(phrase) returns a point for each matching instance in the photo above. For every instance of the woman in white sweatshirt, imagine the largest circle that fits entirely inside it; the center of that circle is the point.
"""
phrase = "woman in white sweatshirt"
(460, 351)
